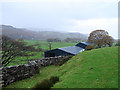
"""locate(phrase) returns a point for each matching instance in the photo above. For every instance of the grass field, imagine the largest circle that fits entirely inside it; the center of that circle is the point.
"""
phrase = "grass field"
(45, 44)
(97, 68)
(42, 44)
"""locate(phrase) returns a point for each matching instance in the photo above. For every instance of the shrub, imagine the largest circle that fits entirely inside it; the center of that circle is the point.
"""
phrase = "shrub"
(117, 44)
(64, 60)
(54, 79)
(46, 83)
(89, 47)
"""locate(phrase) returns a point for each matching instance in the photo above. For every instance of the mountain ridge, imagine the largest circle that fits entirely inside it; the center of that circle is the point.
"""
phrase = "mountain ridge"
(26, 34)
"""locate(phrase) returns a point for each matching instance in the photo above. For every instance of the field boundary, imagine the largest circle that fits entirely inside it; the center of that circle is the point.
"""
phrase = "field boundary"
(18, 72)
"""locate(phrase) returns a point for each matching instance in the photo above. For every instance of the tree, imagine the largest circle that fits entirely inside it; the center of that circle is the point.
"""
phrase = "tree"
(11, 49)
(108, 40)
(117, 42)
(72, 39)
(100, 38)
(53, 40)
(50, 40)
(50, 45)
(57, 40)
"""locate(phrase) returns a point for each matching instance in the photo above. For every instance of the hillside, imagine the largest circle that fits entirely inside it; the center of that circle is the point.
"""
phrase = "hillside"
(91, 69)
(97, 68)
(27, 34)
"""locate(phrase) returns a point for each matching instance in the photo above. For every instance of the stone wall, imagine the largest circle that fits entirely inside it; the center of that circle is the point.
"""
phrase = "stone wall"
(46, 61)
(15, 73)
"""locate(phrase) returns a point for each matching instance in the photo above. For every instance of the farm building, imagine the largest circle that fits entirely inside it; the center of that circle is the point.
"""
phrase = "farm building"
(66, 51)
(83, 44)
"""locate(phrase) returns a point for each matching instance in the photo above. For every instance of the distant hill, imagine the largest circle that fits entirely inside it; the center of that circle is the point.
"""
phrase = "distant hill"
(26, 34)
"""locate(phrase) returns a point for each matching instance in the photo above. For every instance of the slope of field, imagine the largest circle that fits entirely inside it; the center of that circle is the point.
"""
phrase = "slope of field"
(97, 68)
(91, 69)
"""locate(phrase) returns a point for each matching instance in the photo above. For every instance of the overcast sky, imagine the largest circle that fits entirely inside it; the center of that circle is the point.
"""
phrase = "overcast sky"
(81, 16)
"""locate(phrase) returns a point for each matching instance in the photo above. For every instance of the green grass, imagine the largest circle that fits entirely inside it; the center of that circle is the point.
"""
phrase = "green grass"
(76, 72)
(24, 59)
(42, 44)
(39, 55)
(103, 75)
(45, 44)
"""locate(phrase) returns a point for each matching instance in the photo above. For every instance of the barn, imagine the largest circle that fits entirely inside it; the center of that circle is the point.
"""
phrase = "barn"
(66, 51)
(83, 44)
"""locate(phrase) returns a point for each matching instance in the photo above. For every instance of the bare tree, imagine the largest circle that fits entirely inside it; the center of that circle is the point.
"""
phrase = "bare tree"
(11, 49)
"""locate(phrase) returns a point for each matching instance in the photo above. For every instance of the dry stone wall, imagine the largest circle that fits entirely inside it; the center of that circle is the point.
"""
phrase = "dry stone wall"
(15, 73)
(46, 61)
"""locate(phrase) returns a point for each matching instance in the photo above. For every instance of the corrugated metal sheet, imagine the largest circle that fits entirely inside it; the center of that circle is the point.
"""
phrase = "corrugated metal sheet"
(72, 49)
(83, 44)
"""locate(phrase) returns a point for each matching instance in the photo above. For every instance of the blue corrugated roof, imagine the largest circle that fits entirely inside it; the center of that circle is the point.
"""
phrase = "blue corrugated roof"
(72, 49)
(83, 44)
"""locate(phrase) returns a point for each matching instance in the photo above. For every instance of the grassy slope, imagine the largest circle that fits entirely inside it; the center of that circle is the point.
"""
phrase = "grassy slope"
(76, 72)
(104, 73)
